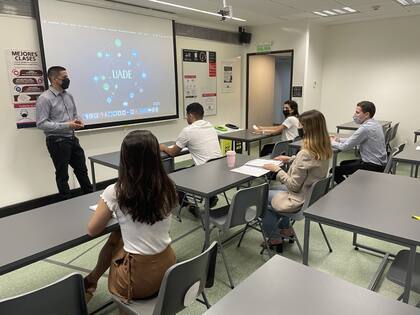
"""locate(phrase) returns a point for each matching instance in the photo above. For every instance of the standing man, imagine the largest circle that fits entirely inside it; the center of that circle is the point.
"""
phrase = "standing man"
(370, 139)
(56, 115)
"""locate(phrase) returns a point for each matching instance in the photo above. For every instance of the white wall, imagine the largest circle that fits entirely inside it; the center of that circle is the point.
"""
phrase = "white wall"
(314, 67)
(377, 61)
(261, 98)
(284, 36)
(25, 166)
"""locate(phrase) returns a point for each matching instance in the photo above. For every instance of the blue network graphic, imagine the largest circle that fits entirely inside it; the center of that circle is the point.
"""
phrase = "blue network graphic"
(122, 82)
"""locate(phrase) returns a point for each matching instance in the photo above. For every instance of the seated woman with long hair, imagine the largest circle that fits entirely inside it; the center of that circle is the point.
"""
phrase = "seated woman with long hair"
(142, 200)
(308, 166)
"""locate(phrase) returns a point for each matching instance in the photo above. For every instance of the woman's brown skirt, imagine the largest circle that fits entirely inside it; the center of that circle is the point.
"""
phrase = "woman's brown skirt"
(136, 276)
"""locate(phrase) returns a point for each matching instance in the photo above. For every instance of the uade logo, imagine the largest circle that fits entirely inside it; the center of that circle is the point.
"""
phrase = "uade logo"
(122, 77)
(122, 74)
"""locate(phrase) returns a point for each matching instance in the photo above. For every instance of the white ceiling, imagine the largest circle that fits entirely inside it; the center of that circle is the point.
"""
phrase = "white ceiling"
(261, 12)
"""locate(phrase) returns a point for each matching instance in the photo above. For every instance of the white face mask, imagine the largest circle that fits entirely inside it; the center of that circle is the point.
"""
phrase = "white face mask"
(357, 120)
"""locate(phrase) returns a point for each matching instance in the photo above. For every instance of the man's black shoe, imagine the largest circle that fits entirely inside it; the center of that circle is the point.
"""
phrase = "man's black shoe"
(213, 201)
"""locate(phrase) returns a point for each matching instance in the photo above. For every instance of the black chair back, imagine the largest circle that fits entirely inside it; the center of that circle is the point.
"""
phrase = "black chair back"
(64, 297)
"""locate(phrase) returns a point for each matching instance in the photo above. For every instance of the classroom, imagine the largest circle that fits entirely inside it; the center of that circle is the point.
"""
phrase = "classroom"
(212, 84)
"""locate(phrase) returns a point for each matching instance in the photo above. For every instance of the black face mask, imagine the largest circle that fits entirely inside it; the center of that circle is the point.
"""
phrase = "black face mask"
(286, 112)
(300, 132)
(65, 83)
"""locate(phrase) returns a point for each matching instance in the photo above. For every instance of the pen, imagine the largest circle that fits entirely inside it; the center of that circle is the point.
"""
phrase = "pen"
(416, 217)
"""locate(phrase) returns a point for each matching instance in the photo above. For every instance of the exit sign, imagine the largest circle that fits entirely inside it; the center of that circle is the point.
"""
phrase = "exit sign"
(263, 47)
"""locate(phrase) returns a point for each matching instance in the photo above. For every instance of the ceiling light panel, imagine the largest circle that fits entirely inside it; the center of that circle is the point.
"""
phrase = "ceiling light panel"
(408, 2)
(339, 11)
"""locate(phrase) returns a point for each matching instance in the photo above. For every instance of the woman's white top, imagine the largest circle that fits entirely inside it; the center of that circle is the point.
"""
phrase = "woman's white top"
(139, 238)
(291, 132)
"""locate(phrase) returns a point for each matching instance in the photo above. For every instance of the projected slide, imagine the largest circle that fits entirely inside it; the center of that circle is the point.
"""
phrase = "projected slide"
(117, 74)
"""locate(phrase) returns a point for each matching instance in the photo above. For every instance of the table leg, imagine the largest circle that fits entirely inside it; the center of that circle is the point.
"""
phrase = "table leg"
(206, 223)
(415, 137)
(259, 148)
(248, 146)
(306, 241)
(334, 164)
(92, 169)
(410, 269)
(172, 164)
(417, 171)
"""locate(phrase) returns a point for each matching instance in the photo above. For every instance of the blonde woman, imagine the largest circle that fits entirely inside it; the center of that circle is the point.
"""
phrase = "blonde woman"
(308, 166)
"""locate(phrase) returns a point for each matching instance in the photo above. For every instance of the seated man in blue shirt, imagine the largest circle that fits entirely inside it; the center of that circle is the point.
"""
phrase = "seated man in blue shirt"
(370, 139)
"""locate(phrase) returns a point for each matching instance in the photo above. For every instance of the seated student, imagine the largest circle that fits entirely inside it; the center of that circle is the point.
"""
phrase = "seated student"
(199, 137)
(142, 200)
(308, 166)
(289, 127)
(370, 139)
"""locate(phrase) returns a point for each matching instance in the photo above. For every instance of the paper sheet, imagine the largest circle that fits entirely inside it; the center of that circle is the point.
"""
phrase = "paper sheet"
(261, 162)
(250, 170)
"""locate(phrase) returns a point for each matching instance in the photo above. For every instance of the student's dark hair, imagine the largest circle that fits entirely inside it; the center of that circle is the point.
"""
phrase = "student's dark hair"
(143, 188)
(367, 107)
(54, 71)
(196, 109)
(294, 106)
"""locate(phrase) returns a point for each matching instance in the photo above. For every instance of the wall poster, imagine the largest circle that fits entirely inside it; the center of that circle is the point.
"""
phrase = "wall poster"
(26, 82)
(227, 68)
(200, 79)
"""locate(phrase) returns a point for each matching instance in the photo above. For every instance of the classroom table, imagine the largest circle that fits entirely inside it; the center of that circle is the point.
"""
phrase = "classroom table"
(282, 286)
(297, 145)
(410, 155)
(248, 136)
(374, 204)
(353, 126)
(33, 235)
(208, 180)
(112, 160)
(416, 134)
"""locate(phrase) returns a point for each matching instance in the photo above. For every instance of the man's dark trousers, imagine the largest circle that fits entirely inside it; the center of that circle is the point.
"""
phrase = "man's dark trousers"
(65, 151)
(348, 167)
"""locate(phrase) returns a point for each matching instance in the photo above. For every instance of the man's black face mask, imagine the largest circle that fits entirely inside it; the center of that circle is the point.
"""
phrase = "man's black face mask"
(65, 83)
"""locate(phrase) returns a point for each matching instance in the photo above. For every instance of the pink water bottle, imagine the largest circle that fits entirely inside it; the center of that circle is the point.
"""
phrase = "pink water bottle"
(231, 157)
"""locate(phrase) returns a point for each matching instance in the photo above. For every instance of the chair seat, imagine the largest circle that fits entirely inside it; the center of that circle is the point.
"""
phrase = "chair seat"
(398, 270)
(143, 307)
(297, 215)
(218, 216)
